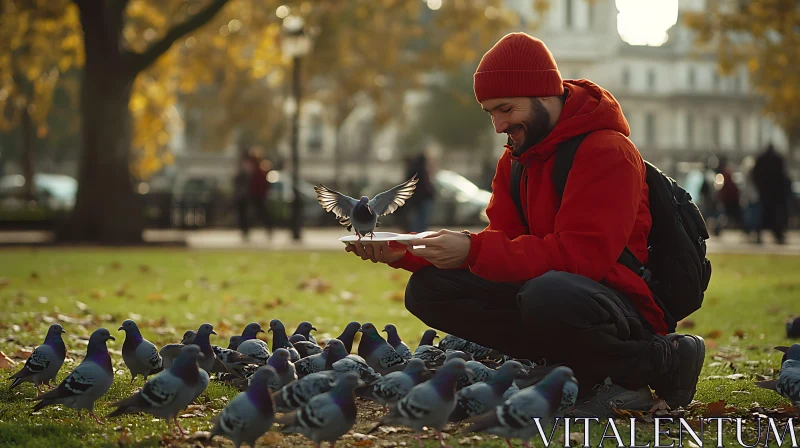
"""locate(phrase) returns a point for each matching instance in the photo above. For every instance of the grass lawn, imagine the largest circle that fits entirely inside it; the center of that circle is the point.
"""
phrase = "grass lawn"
(170, 291)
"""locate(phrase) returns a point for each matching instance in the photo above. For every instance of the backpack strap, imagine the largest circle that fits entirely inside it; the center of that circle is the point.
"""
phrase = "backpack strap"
(516, 182)
(565, 155)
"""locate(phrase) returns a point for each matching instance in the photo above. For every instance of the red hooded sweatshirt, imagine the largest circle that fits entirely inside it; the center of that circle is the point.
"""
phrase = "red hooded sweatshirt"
(604, 208)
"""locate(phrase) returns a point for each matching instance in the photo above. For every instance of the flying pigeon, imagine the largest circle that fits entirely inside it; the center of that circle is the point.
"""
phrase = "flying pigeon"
(45, 361)
(426, 351)
(209, 358)
(283, 367)
(514, 419)
(394, 340)
(362, 215)
(377, 352)
(387, 390)
(250, 345)
(427, 404)
(477, 351)
(305, 329)
(251, 413)
(348, 334)
(327, 416)
(88, 382)
(481, 397)
(304, 348)
(165, 395)
(333, 352)
(298, 393)
(793, 329)
(355, 363)
(280, 340)
(140, 355)
(789, 379)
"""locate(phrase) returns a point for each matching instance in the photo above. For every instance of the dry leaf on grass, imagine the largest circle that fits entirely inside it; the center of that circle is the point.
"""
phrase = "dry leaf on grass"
(739, 334)
(718, 409)
(271, 438)
(23, 354)
(124, 438)
(143, 268)
(34, 275)
(4, 282)
(714, 334)
(686, 323)
(315, 285)
(6, 362)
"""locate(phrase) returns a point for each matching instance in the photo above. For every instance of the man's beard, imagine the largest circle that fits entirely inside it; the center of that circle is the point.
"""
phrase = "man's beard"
(536, 128)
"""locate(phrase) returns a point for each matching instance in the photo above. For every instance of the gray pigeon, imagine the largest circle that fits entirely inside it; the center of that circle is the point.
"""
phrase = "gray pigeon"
(88, 382)
(283, 367)
(480, 397)
(327, 416)
(250, 345)
(427, 404)
(188, 337)
(357, 364)
(231, 361)
(45, 361)
(251, 413)
(426, 351)
(514, 419)
(333, 352)
(348, 334)
(789, 379)
(280, 340)
(233, 342)
(387, 390)
(305, 329)
(209, 358)
(304, 347)
(479, 352)
(166, 394)
(298, 393)
(140, 355)
(362, 215)
(377, 352)
(397, 344)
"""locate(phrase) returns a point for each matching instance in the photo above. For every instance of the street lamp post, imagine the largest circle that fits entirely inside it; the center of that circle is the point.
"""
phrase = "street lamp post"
(295, 44)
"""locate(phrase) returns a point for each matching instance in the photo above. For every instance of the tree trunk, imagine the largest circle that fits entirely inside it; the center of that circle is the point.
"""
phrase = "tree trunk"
(106, 210)
(28, 153)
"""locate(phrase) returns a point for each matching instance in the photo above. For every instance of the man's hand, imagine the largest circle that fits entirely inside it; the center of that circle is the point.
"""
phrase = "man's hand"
(445, 249)
(378, 252)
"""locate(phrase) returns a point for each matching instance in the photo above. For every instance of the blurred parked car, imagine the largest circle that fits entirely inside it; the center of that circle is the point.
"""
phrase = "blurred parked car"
(53, 198)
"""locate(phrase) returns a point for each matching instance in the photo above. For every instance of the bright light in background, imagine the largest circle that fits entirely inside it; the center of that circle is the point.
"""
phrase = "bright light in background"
(282, 11)
(434, 4)
(645, 22)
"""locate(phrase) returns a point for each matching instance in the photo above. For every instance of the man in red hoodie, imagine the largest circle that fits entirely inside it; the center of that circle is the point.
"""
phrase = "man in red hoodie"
(555, 290)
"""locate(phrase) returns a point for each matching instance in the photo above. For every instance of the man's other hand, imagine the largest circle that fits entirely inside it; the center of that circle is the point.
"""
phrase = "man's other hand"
(444, 249)
(378, 252)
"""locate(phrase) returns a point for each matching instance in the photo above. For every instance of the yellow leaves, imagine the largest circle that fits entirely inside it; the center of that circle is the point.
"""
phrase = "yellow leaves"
(752, 64)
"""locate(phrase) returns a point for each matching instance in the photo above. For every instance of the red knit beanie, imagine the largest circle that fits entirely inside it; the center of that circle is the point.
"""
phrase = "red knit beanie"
(517, 65)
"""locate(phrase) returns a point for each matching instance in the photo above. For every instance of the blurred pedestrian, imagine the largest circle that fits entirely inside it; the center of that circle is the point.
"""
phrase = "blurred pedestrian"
(730, 197)
(421, 204)
(769, 175)
(250, 191)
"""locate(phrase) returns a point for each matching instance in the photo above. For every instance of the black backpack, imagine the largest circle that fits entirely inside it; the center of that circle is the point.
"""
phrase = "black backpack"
(678, 271)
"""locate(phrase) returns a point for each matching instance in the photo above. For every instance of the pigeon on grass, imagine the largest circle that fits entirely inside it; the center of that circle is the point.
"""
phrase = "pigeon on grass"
(251, 413)
(140, 355)
(387, 390)
(377, 352)
(280, 340)
(45, 361)
(361, 215)
(249, 345)
(397, 344)
(88, 382)
(168, 393)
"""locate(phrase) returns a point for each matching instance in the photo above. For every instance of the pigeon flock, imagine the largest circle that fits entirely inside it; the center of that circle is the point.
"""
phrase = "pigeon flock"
(313, 389)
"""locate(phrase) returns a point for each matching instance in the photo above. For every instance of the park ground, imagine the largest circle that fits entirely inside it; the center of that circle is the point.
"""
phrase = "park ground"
(168, 291)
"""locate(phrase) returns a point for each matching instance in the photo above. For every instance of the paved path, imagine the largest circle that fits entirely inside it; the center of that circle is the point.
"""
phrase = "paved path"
(325, 239)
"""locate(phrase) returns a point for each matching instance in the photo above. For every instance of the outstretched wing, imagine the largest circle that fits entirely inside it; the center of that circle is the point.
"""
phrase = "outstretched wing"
(390, 200)
(332, 201)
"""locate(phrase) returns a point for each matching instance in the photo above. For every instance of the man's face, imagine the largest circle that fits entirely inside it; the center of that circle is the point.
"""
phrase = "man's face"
(524, 119)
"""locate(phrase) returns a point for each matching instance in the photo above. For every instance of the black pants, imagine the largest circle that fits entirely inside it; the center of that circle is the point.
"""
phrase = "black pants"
(565, 318)
(262, 214)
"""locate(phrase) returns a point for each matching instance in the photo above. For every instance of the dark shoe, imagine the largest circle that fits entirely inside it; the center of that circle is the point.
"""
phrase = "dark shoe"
(609, 396)
(691, 351)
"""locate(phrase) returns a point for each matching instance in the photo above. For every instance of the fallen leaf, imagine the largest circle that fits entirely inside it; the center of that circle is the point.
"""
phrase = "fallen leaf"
(718, 409)
(34, 275)
(398, 296)
(686, 323)
(5, 361)
(739, 334)
(23, 354)
(396, 276)
(155, 297)
(81, 306)
(711, 343)
(144, 268)
(271, 438)
(4, 282)
(364, 442)
(115, 265)
(714, 334)
(124, 438)
(98, 294)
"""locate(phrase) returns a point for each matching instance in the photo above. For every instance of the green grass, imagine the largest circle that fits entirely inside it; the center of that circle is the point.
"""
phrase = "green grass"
(170, 291)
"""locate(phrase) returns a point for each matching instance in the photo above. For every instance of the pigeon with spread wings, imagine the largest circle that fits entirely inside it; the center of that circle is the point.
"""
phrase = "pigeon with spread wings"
(362, 214)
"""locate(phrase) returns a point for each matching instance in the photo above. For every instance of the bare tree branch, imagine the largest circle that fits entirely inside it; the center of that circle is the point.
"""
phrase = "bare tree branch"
(143, 60)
